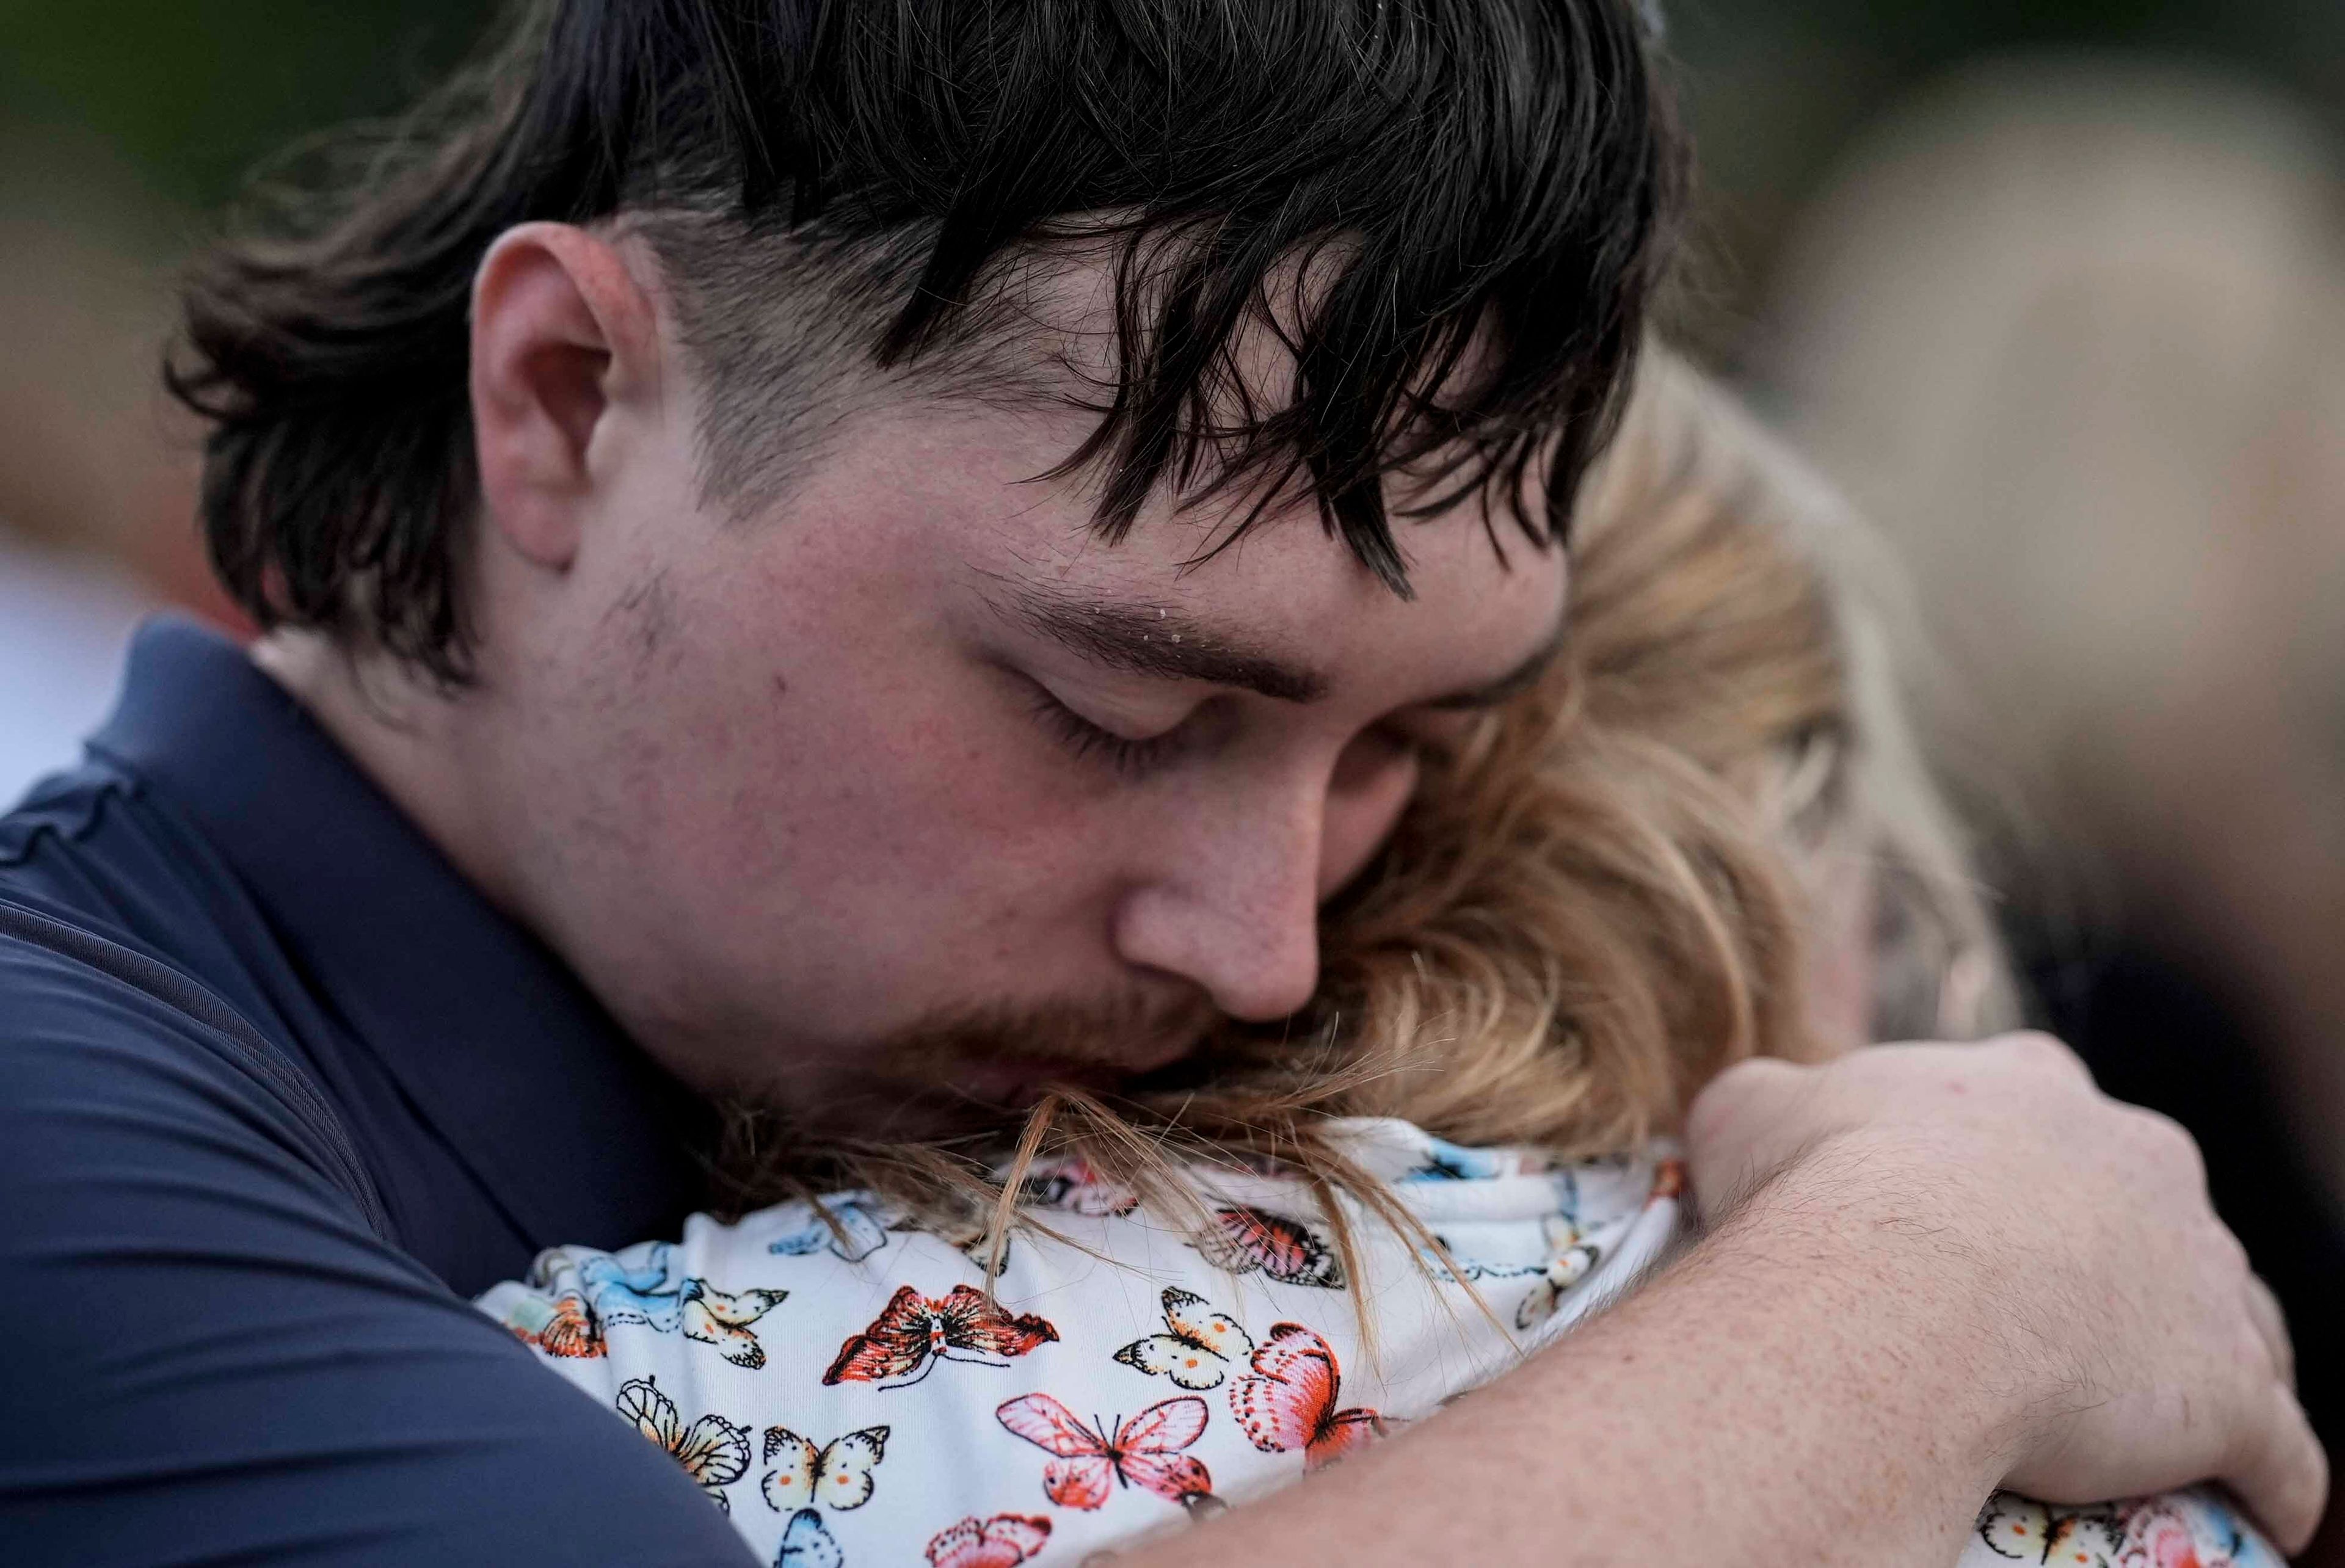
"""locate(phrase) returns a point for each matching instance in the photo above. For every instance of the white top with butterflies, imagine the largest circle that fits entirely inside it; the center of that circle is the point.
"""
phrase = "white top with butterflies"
(846, 1392)
(850, 1396)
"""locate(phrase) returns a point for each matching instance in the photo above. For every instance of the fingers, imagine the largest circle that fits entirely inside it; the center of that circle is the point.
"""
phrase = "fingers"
(2280, 1475)
(2264, 1311)
(1732, 1132)
(2177, 1150)
(1749, 1091)
(2109, 1197)
(2046, 1051)
(2046, 1058)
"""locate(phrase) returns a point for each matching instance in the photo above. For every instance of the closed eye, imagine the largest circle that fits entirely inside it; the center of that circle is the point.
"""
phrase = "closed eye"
(1128, 756)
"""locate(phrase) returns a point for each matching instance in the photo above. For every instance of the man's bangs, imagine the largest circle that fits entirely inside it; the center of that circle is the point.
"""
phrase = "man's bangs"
(1450, 415)
(1451, 238)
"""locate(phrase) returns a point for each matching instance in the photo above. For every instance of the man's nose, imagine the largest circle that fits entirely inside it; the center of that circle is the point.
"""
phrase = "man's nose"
(1232, 905)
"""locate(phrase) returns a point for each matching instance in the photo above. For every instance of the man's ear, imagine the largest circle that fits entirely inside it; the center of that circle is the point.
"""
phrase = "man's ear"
(563, 336)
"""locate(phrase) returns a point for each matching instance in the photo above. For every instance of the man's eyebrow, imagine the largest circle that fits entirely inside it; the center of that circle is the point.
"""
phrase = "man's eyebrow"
(1158, 640)
(1515, 682)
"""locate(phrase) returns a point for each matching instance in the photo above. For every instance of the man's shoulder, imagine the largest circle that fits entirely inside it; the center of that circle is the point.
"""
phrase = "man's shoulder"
(88, 849)
(270, 889)
(175, 1195)
(86, 1018)
(106, 891)
(99, 904)
(104, 995)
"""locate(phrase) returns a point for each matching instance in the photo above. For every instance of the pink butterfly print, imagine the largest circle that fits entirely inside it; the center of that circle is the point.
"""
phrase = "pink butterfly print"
(2158, 1535)
(1288, 1400)
(913, 1332)
(1075, 1186)
(1003, 1541)
(1144, 1452)
(2171, 1545)
(1245, 1239)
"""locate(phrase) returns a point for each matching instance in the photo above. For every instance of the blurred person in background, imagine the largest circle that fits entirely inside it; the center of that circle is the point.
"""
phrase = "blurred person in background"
(2076, 331)
(94, 493)
(64, 625)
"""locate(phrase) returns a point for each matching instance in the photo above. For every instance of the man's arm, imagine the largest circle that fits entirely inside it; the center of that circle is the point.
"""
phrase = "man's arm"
(1952, 1266)
(209, 1357)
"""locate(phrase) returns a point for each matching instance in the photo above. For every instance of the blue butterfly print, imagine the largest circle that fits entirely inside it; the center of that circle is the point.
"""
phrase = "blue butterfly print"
(653, 1294)
(862, 1228)
(1473, 1268)
(1446, 1161)
(2245, 1549)
(647, 1294)
(807, 1542)
(1565, 1184)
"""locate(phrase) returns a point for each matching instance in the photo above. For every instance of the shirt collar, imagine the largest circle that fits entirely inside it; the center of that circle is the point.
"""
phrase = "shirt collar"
(566, 1122)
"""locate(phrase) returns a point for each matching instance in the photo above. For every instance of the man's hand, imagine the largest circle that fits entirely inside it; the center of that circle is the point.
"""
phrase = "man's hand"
(1932, 1268)
(2070, 1241)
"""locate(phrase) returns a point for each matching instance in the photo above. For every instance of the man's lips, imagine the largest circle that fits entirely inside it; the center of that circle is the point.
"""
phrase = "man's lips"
(1017, 1080)
(1002, 1059)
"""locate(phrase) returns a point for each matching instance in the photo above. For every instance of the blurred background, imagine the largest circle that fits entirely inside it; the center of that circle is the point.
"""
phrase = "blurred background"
(2054, 288)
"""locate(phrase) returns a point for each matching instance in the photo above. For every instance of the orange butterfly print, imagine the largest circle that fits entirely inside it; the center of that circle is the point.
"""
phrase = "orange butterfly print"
(1088, 1461)
(2031, 1531)
(560, 1327)
(914, 1332)
(1245, 1239)
(1003, 1541)
(1288, 1401)
(712, 1450)
(1668, 1181)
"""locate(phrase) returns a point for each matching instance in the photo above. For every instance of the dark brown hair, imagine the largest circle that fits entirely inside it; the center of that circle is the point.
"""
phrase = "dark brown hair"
(1478, 189)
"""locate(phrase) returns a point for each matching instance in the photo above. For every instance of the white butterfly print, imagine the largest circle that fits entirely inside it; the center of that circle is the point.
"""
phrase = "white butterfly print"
(2026, 1530)
(837, 1475)
(1562, 1273)
(1198, 1345)
(716, 1318)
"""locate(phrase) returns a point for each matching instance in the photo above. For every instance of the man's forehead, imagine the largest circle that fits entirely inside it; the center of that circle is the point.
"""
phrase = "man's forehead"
(1287, 611)
(1068, 358)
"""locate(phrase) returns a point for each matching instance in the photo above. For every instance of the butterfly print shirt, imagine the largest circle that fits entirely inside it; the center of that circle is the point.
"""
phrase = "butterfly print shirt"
(846, 1390)
(841, 1383)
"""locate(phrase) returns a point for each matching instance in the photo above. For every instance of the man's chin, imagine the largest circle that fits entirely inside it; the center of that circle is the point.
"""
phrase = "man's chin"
(982, 1103)
(887, 1112)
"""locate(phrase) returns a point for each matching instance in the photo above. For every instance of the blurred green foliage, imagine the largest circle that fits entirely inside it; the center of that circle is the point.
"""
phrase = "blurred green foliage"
(186, 94)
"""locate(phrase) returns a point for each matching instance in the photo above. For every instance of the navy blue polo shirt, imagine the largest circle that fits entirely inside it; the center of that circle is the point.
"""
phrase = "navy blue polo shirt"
(279, 1091)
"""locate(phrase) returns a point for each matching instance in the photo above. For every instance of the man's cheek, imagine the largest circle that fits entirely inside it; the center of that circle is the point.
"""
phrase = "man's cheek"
(971, 765)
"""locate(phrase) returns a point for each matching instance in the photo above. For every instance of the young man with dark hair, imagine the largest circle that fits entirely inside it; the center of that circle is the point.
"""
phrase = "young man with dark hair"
(807, 547)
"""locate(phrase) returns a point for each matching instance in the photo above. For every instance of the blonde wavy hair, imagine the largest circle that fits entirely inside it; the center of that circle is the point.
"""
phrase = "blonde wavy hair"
(1610, 891)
